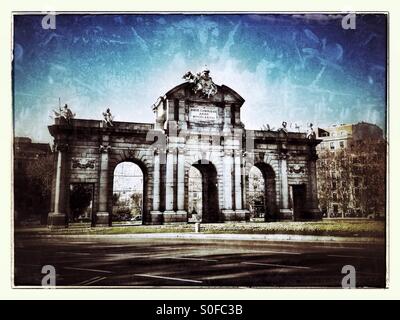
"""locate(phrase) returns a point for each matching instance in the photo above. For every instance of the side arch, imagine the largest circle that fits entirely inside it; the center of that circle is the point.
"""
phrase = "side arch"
(142, 160)
(271, 186)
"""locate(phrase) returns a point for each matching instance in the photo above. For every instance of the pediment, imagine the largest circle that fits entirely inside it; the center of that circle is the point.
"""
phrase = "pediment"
(224, 94)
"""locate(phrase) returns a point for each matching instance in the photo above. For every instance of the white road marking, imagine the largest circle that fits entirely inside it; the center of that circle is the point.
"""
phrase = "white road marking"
(277, 252)
(275, 265)
(91, 281)
(193, 259)
(339, 248)
(85, 269)
(76, 253)
(347, 256)
(168, 278)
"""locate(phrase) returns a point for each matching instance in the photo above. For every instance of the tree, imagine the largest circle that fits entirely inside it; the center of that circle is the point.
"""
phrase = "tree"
(353, 179)
(115, 198)
(38, 178)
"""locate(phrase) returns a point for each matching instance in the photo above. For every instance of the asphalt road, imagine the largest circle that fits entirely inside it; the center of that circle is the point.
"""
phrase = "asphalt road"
(200, 263)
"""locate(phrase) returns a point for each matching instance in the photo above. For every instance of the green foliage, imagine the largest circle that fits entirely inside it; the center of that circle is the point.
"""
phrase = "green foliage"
(40, 175)
(354, 178)
(115, 198)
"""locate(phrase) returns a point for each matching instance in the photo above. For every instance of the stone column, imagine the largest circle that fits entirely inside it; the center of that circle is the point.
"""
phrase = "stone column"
(286, 213)
(58, 218)
(155, 214)
(181, 185)
(240, 213)
(244, 185)
(227, 213)
(169, 213)
(312, 178)
(238, 181)
(102, 218)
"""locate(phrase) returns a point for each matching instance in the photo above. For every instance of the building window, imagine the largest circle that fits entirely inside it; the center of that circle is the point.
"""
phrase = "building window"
(333, 185)
(334, 197)
(332, 145)
(335, 209)
(342, 144)
(356, 182)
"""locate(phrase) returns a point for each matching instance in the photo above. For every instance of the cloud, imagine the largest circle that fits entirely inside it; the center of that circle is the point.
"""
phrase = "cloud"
(285, 70)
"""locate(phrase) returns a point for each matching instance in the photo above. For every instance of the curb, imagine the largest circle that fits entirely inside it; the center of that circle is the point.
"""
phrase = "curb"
(203, 236)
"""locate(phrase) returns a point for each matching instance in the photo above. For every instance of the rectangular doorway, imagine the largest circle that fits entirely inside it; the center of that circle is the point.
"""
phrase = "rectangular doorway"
(81, 202)
(299, 201)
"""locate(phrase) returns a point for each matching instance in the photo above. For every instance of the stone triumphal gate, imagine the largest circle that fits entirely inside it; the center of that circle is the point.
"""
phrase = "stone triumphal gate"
(198, 124)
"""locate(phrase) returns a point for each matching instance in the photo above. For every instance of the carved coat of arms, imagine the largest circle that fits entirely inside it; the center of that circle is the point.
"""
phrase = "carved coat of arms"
(296, 169)
(202, 82)
(83, 163)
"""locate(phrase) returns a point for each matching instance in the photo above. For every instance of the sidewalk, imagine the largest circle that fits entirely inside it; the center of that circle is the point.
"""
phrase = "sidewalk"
(207, 236)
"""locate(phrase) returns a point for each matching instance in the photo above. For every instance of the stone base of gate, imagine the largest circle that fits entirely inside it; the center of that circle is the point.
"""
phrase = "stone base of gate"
(156, 217)
(179, 216)
(234, 215)
(286, 214)
(242, 215)
(316, 214)
(102, 219)
(57, 220)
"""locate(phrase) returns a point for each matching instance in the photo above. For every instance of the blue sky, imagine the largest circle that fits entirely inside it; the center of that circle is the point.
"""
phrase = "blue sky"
(297, 68)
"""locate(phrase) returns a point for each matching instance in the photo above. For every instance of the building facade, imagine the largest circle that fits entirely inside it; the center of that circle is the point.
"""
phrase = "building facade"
(197, 124)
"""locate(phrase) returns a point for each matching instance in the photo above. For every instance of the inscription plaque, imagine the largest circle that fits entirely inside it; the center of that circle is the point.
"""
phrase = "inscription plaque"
(204, 114)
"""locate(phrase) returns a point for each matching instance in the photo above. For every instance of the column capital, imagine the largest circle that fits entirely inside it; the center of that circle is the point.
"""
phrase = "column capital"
(104, 148)
(237, 153)
(228, 152)
(172, 150)
(61, 146)
(159, 151)
(181, 150)
(283, 155)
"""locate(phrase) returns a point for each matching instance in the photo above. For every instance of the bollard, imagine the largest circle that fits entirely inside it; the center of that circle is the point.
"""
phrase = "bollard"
(197, 227)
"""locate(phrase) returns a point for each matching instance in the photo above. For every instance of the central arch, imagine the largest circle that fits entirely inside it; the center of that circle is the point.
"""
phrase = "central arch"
(209, 191)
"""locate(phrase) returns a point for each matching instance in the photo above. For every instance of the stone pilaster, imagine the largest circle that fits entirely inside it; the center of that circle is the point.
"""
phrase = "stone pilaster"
(227, 118)
(169, 184)
(102, 216)
(238, 181)
(240, 213)
(58, 218)
(155, 214)
(181, 182)
(285, 212)
(228, 213)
